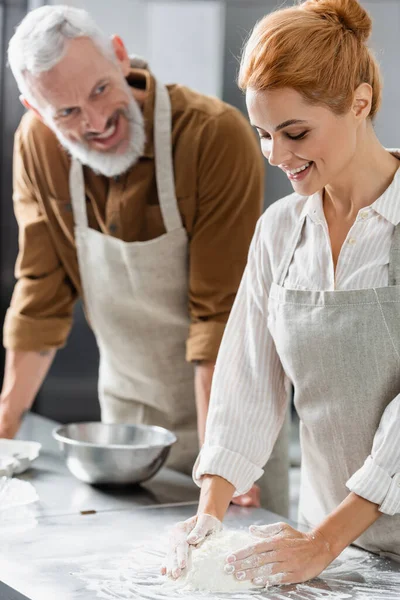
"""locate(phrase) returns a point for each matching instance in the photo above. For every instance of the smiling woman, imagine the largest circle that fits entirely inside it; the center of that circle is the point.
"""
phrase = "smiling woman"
(318, 307)
(279, 72)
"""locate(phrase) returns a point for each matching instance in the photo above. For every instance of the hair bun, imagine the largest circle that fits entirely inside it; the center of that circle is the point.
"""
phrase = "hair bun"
(349, 14)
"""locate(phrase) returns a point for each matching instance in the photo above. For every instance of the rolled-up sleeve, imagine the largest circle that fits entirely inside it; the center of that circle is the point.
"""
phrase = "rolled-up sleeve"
(40, 314)
(250, 390)
(230, 194)
(378, 480)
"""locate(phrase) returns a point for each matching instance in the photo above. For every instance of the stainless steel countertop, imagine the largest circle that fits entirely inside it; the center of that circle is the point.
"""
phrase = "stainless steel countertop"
(56, 552)
(60, 493)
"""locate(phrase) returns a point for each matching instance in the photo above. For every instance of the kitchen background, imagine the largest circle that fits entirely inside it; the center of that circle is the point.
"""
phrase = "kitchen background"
(193, 42)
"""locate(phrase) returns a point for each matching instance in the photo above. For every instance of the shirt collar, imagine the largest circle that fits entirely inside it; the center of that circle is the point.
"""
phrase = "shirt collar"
(313, 208)
(387, 205)
(143, 79)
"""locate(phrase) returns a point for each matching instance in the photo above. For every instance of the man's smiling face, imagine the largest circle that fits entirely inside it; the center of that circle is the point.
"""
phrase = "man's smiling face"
(87, 102)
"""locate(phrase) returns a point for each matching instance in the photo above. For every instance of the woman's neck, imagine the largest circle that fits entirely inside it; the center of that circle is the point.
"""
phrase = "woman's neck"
(366, 178)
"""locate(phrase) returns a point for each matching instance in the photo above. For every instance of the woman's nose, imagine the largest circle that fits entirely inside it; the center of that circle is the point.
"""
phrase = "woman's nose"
(278, 154)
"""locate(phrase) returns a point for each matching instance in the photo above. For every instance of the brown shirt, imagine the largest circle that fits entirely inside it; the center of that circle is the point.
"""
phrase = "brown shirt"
(219, 185)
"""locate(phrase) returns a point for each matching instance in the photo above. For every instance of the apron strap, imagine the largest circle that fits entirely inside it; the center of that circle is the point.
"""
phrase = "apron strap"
(77, 191)
(291, 247)
(394, 262)
(164, 164)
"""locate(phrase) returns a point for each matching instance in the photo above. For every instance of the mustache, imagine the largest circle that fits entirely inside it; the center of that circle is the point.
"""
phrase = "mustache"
(111, 121)
(105, 163)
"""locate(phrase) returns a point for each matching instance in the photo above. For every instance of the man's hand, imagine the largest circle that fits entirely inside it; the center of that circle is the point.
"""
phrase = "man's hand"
(23, 375)
(186, 533)
(281, 555)
(10, 420)
(251, 498)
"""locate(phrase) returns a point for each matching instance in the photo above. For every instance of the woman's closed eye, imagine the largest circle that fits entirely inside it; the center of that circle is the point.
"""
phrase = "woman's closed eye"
(300, 136)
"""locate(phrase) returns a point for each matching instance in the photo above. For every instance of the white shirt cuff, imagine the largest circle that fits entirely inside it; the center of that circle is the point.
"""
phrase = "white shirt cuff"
(235, 468)
(376, 485)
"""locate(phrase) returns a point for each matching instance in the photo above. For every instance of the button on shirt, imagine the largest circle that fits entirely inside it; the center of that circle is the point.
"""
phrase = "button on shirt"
(219, 176)
(250, 388)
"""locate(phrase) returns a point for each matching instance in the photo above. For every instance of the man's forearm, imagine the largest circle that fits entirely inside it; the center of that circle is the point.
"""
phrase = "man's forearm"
(347, 522)
(23, 375)
(203, 378)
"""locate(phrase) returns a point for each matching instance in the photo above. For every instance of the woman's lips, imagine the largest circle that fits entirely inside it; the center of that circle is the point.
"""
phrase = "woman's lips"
(301, 175)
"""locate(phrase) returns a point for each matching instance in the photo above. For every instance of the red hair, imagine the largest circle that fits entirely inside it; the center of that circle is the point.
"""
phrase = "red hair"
(317, 48)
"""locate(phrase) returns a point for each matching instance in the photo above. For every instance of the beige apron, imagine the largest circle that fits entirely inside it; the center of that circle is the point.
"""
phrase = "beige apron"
(341, 350)
(136, 297)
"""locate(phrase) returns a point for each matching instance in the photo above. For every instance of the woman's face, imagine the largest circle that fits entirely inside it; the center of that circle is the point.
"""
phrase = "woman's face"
(310, 143)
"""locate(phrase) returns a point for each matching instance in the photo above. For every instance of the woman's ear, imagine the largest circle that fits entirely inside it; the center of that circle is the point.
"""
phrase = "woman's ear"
(362, 101)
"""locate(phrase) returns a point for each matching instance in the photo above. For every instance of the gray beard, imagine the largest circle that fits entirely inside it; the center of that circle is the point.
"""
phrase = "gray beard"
(107, 163)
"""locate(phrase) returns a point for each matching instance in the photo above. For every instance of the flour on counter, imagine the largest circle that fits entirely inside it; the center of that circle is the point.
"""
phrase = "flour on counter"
(206, 565)
(14, 492)
(16, 512)
(356, 575)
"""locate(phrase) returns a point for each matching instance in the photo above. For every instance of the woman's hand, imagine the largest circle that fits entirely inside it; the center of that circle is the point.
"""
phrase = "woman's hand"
(186, 533)
(281, 555)
(285, 555)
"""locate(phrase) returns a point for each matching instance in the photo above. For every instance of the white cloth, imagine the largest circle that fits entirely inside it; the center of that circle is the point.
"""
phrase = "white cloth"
(250, 386)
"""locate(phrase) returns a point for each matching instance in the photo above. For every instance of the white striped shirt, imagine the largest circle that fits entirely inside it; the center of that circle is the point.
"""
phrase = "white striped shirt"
(242, 426)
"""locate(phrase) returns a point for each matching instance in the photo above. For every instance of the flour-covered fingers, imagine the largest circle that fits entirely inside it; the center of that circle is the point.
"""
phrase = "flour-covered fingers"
(263, 571)
(177, 548)
(253, 561)
(269, 545)
(300, 556)
(205, 526)
(182, 552)
(176, 551)
(173, 569)
(267, 531)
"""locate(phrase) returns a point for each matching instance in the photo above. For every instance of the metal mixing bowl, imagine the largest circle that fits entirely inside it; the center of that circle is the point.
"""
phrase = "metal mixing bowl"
(113, 454)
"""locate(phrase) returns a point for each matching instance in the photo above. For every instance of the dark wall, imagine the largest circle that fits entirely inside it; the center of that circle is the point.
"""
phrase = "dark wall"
(70, 390)
(11, 12)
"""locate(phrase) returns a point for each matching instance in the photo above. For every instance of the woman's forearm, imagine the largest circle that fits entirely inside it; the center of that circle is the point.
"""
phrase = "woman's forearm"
(347, 522)
(216, 494)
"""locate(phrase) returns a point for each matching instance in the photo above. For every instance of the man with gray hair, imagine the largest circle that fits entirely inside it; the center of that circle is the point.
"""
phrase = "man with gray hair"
(141, 199)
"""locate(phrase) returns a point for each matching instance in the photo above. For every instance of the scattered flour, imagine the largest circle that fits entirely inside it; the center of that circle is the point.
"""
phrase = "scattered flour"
(15, 492)
(206, 565)
(16, 499)
(135, 575)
